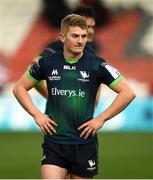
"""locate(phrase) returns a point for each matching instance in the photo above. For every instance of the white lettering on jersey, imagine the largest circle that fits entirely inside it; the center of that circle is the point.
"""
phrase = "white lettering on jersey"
(67, 67)
(67, 92)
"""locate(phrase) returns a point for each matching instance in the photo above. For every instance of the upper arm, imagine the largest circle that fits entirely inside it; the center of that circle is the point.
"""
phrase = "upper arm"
(108, 75)
(113, 79)
(123, 86)
(25, 83)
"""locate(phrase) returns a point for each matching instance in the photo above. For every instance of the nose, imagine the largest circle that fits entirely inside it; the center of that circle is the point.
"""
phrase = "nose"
(91, 30)
(80, 40)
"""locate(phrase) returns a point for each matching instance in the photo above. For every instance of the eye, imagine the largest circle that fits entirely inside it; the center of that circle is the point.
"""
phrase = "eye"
(92, 27)
(84, 36)
(74, 35)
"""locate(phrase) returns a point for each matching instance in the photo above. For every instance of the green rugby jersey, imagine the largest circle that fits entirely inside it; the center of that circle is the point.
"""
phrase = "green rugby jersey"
(72, 90)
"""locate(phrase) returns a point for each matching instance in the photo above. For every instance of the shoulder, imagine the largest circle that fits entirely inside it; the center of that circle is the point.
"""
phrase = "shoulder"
(52, 48)
(92, 47)
(89, 48)
(50, 58)
(94, 58)
(55, 44)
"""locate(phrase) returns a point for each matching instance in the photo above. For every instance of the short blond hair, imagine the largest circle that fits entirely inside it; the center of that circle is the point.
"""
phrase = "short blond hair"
(73, 20)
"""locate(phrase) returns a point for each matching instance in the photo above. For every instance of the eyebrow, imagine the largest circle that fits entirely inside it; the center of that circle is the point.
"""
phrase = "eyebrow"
(92, 26)
(79, 34)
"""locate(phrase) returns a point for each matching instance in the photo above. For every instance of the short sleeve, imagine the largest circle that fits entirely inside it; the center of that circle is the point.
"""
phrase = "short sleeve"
(35, 72)
(108, 75)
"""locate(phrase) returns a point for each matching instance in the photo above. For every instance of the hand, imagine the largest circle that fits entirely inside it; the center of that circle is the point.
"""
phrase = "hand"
(90, 127)
(45, 123)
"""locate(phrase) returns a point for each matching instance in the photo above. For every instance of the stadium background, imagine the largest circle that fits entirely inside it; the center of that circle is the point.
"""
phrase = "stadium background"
(124, 33)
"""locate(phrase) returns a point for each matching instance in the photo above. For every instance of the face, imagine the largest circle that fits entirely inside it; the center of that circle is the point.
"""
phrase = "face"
(91, 28)
(74, 40)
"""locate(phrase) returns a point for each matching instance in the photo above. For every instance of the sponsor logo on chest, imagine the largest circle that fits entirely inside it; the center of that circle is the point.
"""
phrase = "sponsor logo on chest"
(71, 68)
(54, 75)
(83, 75)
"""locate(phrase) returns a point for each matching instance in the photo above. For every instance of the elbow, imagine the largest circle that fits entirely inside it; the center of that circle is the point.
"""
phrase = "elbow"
(131, 95)
(14, 90)
(134, 95)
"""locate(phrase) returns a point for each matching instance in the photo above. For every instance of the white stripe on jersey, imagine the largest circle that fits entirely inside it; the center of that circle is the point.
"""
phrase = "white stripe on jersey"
(114, 72)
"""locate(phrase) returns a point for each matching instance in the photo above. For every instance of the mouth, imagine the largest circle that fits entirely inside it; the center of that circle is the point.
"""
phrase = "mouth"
(79, 46)
(90, 35)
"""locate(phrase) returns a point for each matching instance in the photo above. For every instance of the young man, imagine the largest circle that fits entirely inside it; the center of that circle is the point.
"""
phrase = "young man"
(56, 46)
(73, 78)
(90, 45)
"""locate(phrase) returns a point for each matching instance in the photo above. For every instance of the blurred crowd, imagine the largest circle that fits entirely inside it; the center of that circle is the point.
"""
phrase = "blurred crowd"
(52, 7)
(107, 23)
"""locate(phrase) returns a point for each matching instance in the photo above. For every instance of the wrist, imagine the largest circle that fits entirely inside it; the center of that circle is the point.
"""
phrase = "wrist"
(35, 114)
(102, 118)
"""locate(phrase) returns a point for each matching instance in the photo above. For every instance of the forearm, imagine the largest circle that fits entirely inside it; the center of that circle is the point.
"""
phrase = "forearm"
(25, 100)
(121, 101)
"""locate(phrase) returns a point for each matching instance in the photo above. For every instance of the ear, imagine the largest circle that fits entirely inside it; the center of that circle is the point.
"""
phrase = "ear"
(62, 37)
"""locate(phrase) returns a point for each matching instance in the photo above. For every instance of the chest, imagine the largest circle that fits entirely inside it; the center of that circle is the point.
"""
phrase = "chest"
(69, 75)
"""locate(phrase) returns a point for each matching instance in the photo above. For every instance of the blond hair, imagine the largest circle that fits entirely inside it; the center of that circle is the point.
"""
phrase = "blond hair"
(73, 20)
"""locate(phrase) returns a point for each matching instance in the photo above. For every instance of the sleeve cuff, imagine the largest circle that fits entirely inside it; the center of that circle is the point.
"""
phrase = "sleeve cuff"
(30, 77)
(116, 81)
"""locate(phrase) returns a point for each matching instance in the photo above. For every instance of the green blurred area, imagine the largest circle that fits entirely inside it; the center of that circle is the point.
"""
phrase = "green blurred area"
(121, 155)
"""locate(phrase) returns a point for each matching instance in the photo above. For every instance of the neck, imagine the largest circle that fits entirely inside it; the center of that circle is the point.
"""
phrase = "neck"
(71, 55)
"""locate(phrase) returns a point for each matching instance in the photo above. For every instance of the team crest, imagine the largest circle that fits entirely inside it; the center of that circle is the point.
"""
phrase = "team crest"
(84, 76)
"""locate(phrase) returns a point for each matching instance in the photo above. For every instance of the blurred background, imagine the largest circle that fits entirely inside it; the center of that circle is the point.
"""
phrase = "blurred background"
(124, 34)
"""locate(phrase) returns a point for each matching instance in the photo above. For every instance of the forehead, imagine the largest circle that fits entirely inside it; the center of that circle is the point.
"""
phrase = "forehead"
(90, 22)
(76, 30)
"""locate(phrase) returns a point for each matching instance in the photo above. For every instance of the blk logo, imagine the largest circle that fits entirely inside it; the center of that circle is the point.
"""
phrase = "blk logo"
(67, 67)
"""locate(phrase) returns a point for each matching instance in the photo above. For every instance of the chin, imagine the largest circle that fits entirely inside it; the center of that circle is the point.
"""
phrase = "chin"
(77, 52)
(90, 39)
